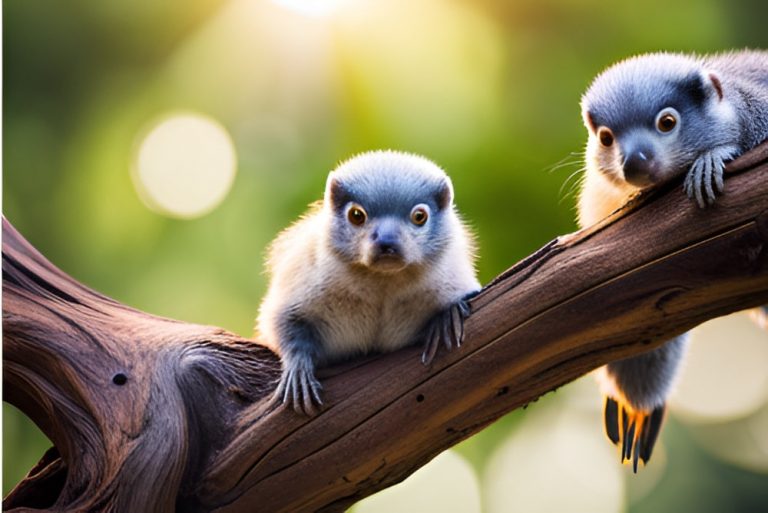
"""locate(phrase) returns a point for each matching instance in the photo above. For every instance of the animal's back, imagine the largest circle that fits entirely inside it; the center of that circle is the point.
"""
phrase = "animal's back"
(747, 65)
(746, 73)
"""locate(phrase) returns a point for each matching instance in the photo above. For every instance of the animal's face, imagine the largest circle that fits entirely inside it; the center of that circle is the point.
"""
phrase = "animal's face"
(386, 218)
(648, 150)
(651, 117)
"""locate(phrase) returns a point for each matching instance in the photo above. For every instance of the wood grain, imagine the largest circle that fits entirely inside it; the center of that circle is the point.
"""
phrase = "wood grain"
(151, 414)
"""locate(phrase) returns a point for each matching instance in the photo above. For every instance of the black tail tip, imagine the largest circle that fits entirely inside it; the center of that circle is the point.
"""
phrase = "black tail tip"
(611, 420)
(651, 430)
(635, 432)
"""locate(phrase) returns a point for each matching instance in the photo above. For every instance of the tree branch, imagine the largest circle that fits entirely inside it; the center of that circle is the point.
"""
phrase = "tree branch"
(150, 414)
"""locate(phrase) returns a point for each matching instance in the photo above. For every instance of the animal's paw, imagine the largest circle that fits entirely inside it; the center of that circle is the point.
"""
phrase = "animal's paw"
(446, 329)
(633, 431)
(704, 180)
(299, 388)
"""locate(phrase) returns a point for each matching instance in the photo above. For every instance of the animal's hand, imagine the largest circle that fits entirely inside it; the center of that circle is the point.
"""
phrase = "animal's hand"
(446, 328)
(704, 180)
(299, 387)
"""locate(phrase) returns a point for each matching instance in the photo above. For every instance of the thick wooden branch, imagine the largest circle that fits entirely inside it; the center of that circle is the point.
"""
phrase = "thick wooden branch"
(150, 414)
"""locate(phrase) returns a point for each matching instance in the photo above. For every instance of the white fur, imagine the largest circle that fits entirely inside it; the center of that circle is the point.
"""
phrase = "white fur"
(600, 195)
(355, 309)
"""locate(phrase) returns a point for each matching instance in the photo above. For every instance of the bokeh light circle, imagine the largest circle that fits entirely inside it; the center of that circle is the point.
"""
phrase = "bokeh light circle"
(185, 165)
(724, 375)
(447, 484)
(558, 459)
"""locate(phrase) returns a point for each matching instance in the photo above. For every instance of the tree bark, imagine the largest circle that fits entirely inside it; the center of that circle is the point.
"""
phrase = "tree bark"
(151, 414)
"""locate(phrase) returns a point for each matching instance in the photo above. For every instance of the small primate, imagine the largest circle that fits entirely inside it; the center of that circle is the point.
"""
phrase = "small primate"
(382, 262)
(650, 119)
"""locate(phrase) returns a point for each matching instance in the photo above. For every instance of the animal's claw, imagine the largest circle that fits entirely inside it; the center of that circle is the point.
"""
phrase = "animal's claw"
(299, 388)
(447, 329)
(704, 180)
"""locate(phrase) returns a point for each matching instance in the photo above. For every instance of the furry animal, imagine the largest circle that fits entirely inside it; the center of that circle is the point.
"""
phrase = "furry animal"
(650, 119)
(382, 262)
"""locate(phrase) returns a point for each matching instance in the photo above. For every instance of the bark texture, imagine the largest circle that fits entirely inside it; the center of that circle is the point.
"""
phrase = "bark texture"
(151, 414)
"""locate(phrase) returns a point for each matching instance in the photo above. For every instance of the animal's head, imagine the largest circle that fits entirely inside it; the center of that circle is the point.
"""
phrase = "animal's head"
(650, 117)
(389, 210)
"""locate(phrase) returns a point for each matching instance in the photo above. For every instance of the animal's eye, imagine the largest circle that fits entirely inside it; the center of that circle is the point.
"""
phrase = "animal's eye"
(605, 135)
(356, 215)
(419, 215)
(666, 121)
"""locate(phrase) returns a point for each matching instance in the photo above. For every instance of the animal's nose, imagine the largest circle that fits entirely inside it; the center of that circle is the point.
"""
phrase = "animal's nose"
(387, 242)
(641, 168)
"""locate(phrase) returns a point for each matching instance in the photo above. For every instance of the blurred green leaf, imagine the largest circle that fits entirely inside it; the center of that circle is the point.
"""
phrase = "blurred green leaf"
(488, 89)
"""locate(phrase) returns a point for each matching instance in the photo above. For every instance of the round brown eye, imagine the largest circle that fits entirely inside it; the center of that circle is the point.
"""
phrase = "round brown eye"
(356, 215)
(666, 122)
(419, 216)
(606, 136)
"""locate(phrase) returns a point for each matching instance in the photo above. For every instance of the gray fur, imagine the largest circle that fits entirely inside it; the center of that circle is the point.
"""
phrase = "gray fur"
(341, 288)
(746, 75)
(388, 194)
(720, 107)
(646, 380)
(627, 97)
(392, 189)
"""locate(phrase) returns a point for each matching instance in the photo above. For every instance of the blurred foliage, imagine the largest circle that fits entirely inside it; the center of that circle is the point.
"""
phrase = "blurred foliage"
(488, 89)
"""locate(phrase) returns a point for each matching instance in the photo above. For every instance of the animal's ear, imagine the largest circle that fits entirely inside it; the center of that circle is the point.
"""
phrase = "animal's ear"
(444, 194)
(588, 121)
(715, 83)
(336, 195)
(703, 86)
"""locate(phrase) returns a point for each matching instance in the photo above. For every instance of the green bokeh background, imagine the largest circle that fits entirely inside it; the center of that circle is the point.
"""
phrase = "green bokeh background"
(488, 89)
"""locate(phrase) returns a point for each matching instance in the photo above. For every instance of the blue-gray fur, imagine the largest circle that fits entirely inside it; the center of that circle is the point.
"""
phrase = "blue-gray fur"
(303, 351)
(392, 190)
(630, 94)
(721, 104)
(341, 288)
(746, 73)
(390, 194)
(646, 380)
(633, 91)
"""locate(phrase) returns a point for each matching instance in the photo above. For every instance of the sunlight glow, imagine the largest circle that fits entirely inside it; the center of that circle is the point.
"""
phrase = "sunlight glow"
(185, 166)
(316, 8)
